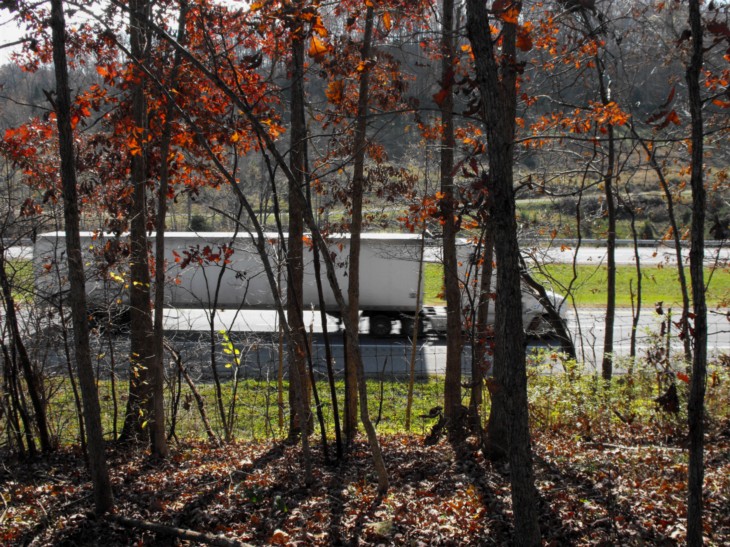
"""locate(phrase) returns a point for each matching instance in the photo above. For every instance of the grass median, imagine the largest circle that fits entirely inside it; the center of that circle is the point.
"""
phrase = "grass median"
(659, 283)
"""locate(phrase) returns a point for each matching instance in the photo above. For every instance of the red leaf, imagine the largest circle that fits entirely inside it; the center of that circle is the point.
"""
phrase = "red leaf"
(524, 41)
(673, 117)
(682, 376)
(657, 116)
(474, 166)
(719, 29)
(440, 97)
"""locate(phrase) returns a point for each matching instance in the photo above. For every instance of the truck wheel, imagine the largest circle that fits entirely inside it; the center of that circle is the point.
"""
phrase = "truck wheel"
(406, 326)
(380, 325)
(538, 327)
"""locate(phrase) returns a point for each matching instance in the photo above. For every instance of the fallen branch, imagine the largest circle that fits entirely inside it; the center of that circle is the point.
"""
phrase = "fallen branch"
(5, 511)
(179, 533)
(600, 445)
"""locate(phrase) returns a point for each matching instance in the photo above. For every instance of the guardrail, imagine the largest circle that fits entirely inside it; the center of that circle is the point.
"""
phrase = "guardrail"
(620, 242)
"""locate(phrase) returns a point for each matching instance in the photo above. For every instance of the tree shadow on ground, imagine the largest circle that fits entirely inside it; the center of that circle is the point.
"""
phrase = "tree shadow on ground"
(258, 494)
(584, 491)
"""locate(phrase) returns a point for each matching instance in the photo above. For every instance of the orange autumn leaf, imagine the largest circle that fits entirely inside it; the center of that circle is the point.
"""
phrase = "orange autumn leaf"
(364, 65)
(387, 21)
(507, 10)
(134, 147)
(317, 48)
(335, 91)
(319, 28)
(511, 16)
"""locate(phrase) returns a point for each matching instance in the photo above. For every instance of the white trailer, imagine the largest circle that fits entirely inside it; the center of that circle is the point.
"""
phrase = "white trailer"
(216, 269)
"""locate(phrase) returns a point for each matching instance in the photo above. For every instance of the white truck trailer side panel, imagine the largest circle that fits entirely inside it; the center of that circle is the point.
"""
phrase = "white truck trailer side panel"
(202, 274)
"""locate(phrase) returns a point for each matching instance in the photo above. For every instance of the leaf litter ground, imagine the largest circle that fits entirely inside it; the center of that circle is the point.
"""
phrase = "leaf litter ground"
(629, 491)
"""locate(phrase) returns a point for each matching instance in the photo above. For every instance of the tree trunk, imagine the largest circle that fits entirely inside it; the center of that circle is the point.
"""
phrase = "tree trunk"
(16, 410)
(161, 227)
(676, 237)
(696, 257)
(635, 309)
(608, 180)
(298, 422)
(145, 406)
(414, 333)
(32, 380)
(483, 336)
(103, 500)
(358, 188)
(328, 355)
(452, 381)
(496, 79)
(354, 358)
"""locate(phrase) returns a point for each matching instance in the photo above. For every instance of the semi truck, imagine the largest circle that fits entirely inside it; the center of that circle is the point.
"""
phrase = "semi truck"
(224, 270)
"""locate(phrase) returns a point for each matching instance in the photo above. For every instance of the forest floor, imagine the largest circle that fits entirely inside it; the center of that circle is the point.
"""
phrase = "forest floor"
(623, 488)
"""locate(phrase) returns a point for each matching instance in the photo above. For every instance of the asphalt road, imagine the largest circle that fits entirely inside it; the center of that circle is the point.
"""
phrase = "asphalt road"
(650, 254)
(391, 356)
(258, 347)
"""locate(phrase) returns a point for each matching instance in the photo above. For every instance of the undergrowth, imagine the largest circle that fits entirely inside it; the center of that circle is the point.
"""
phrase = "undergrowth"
(562, 398)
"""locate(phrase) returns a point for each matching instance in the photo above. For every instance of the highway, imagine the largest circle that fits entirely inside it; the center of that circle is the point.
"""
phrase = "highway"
(391, 356)
(651, 253)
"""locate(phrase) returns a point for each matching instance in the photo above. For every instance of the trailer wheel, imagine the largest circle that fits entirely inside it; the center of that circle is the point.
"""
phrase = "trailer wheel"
(380, 325)
(539, 327)
(407, 324)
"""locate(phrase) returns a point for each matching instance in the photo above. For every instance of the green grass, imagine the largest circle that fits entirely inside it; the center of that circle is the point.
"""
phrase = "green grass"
(659, 284)
(20, 275)
(433, 282)
(560, 400)
(564, 400)
(257, 409)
